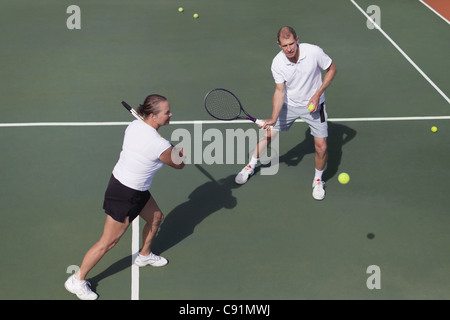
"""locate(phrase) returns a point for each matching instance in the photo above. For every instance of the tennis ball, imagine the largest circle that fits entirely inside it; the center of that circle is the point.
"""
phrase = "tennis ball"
(433, 129)
(311, 107)
(344, 178)
(180, 9)
(195, 15)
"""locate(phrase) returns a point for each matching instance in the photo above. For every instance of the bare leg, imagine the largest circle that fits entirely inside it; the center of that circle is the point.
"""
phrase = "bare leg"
(153, 218)
(264, 143)
(112, 233)
(321, 156)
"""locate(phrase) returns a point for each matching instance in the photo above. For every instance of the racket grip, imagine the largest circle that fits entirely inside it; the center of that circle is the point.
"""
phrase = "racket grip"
(261, 123)
(126, 106)
(132, 111)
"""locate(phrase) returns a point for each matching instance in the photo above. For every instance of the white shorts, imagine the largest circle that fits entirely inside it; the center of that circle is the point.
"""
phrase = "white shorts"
(317, 121)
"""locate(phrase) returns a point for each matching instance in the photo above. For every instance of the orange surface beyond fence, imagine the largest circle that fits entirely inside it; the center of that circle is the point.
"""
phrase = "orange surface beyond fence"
(441, 6)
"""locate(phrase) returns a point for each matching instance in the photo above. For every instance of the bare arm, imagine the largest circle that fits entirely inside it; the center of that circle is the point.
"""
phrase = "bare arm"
(173, 157)
(329, 76)
(277, 104)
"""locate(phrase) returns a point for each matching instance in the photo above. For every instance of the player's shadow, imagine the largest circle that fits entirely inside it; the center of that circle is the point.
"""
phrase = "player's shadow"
(338, 136)
(116, 267)
(180, 223)
(206, 199)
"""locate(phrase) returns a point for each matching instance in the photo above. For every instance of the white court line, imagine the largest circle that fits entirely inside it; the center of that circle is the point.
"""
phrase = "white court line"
(431, 8)
(402, 52)
(62, 124)
(134, 253)
(124, 123)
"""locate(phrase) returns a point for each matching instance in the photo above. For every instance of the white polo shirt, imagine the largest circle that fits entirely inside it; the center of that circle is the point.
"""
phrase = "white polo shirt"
(139, 158)
(303, 78)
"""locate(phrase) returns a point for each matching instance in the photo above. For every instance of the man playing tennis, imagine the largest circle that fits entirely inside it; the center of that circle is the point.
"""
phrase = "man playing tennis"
(297, 71)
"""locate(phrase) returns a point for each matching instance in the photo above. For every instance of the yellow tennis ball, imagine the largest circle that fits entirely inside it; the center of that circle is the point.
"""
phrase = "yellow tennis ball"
(195, 15)
(311, 107)
(344, 178)
(180, 9)
(433, 129)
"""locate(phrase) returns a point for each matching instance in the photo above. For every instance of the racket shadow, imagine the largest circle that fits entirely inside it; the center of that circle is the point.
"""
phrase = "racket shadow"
(205, 200)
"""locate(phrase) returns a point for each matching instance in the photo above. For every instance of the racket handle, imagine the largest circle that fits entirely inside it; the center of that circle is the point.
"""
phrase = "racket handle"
(132, 111)
(136, 115)
(261, 123)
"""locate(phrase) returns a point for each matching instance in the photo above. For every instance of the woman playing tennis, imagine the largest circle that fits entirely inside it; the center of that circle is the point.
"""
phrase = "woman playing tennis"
(127, 196)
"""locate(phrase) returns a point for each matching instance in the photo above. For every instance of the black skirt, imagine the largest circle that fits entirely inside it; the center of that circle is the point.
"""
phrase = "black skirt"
(121, 201)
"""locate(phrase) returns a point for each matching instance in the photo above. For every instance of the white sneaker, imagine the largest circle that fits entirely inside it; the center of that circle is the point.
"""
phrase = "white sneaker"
(81, 288)
(152, 259)
(318, 190)
(245, 173)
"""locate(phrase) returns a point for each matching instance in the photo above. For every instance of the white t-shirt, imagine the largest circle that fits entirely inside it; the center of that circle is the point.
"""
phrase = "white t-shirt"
(139, 158)
(303, 78)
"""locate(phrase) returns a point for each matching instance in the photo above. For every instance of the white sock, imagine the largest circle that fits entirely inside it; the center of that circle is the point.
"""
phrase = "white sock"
(77, 276)
(318, 175)
(146, 255)
(253, 162)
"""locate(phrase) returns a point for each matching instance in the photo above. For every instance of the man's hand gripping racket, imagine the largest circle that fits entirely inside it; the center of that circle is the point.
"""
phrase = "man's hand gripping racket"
(224, 105)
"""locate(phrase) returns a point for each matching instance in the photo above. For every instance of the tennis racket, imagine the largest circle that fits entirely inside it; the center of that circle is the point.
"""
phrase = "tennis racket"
(132, 111)
(224, 105)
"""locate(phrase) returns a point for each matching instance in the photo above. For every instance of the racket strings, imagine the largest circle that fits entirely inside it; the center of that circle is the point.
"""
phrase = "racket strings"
(222, 105)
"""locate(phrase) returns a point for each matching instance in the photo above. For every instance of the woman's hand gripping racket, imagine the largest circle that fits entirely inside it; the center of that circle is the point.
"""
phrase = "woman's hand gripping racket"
(224, 105)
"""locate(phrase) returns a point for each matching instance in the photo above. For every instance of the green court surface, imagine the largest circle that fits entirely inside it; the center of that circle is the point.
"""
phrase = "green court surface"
(267, 239)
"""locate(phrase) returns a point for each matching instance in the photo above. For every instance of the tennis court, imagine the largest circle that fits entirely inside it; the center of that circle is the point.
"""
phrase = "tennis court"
(62, 126)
